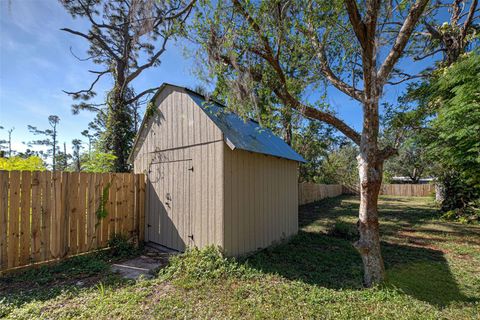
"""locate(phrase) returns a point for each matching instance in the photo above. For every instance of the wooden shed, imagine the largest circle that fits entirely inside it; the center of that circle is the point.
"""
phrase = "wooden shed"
(213, 178)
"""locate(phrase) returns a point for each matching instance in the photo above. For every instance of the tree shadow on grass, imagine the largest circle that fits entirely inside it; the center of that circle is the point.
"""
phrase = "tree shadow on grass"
(47, 282)
(329, 261)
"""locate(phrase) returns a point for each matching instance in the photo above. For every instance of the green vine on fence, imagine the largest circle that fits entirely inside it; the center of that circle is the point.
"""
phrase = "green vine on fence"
(102, 210)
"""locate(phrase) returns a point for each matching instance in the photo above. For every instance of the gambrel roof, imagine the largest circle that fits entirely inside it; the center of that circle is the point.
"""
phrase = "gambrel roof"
(238, 133)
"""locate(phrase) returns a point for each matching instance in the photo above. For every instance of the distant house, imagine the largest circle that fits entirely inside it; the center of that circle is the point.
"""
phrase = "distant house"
(408, 180)
(213, 178)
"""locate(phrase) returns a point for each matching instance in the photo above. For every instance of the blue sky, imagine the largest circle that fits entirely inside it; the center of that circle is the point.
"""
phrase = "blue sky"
(36, 65)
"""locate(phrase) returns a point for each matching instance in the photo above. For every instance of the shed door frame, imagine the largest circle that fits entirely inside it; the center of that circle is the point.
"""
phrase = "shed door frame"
(169, 220)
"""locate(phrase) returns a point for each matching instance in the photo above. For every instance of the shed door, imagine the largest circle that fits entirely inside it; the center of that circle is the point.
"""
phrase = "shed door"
(169, 220)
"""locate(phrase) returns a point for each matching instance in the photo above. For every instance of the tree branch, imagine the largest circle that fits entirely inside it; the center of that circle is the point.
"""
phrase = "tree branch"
(356, 20)
(138, 96)
(327, 71)
(290, 101)
(469, 19)
(418, 58)
(91, 37)
(282, 93)
(89, 90)
(147, 65)
(407, 78)
(401, 41)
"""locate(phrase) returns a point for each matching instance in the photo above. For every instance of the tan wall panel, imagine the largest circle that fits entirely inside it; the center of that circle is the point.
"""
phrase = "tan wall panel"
(261, 200)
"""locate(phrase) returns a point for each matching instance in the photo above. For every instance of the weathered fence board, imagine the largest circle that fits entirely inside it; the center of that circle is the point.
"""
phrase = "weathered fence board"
(310, 192)
(51, 215)
(408, 190)
(403, 190)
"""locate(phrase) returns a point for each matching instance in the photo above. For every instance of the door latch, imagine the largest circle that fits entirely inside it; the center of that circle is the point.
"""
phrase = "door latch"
(191, 237)
(191, 169)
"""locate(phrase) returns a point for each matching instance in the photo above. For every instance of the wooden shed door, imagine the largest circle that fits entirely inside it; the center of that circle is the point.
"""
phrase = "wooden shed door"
(169, 220)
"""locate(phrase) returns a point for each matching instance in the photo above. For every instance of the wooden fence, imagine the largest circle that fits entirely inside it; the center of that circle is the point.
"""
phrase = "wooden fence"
(48, 216)
(310, 192)
(408, 190)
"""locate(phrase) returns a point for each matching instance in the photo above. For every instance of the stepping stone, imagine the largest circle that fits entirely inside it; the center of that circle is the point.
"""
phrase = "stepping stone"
(134, 268)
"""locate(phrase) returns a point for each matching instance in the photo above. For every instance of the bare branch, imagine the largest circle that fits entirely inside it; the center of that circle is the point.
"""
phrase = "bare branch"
(141, 94)
(327, 71)
(418, 58)
(401, 41)
(469, 19)
(356, 20)
(407, 77)
(89, 90)
(91, 37)
(150, 63)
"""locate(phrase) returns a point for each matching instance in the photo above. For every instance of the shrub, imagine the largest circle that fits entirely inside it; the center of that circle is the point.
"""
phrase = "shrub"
(201, 265)
(32, 163)
(121, 247)
(344, 230)
(461, 200)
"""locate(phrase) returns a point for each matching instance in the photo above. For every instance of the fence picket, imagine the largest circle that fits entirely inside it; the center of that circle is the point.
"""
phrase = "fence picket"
(107, 182)
(25, 205)
(46, 186)
(36, 217)
(91, 215)
(13, 220)
(3, 219)
(82, 208)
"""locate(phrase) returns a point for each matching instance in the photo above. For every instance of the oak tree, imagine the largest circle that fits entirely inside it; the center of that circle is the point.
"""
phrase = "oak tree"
(294, 48)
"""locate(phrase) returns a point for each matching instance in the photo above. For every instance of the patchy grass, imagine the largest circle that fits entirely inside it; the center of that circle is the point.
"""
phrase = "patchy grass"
(433, 270)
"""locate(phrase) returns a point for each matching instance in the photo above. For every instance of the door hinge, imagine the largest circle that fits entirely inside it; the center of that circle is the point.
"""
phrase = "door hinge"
(191, 169)
(191, 236)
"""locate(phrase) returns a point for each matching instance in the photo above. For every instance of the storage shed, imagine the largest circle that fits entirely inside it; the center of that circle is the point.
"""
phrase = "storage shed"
(213, 178)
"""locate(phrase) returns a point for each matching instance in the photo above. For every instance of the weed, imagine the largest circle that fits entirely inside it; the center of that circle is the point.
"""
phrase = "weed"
(344, 230)
(121, 246)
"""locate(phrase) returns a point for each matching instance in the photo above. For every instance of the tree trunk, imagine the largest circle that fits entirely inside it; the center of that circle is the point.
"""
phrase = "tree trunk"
(287, 125)
(118, 126)
(369, 243)
(119, 122)
(370, 167)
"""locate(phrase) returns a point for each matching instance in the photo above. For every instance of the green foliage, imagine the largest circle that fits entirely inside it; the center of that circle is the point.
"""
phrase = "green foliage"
(313, 140)
(461, 201)
(121, 246)
(203, 266)
(411, 161)
(32, 163)
(344, 230)
(455, 93)
(340, 167)
(102, 210)
(150, 111)
(99, 162)
(444, 112)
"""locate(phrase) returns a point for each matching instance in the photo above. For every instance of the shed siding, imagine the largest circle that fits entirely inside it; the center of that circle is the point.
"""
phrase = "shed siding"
(261, 200)
(180, 130)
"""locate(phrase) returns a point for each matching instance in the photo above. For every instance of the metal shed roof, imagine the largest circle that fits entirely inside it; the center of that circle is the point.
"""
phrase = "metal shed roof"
(244, 134)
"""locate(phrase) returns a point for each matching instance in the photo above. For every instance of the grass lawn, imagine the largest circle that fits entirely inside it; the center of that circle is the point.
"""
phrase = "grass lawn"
(433, 271)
